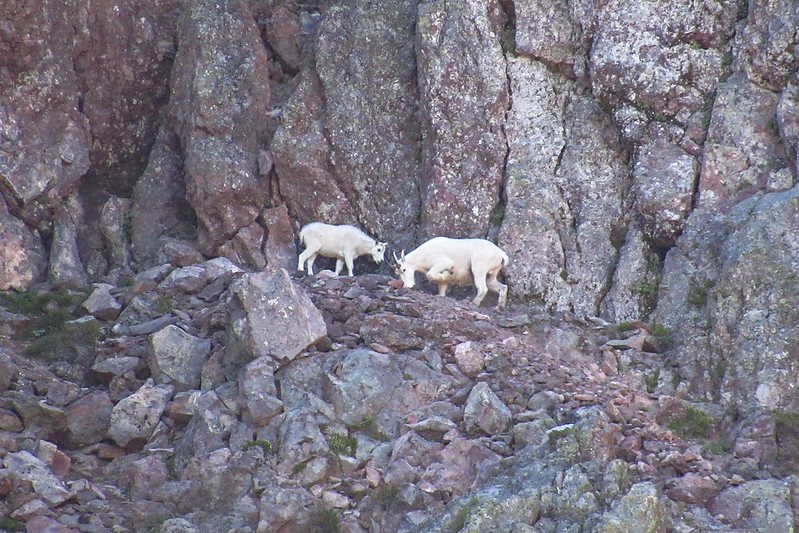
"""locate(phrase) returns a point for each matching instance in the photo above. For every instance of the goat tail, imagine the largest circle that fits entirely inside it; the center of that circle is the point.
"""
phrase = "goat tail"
(505, 259)
(303, 234)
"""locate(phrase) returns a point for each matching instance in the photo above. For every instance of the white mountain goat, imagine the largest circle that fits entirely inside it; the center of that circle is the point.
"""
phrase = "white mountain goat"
(448, 261)
(344, 243)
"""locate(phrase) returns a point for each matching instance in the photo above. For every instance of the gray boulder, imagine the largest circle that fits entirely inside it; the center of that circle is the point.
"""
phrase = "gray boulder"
(268, 315)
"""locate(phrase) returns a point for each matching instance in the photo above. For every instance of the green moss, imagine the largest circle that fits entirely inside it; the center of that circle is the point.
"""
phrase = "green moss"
(555, 434)
(697, 296)
(127, 281)
(623, 326)
(661, 333)
(127, 225)
(459, 518)
(498, 215)
(693, 423)
(171, 470)
(64, 342)
(786, 420)
(719, 446)
(645, 287)
(163, 304)
(299, 467)
(9, 524)
(368, 426)
(651, 381)
(265, 446)
(343, 443)
(324, 520)
(386, 495)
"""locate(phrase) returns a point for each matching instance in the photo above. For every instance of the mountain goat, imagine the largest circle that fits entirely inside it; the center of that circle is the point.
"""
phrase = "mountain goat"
(344, 243)
(448, 261)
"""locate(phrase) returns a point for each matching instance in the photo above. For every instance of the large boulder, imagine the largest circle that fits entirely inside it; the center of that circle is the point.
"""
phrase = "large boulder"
(728, 298)
(22, 255)
(217, 108)
(134, 418)
(264, 307)
(743, 152)
(45, 140)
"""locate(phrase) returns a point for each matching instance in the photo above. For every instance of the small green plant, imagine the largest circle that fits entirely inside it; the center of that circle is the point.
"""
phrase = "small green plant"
(127, 225)
(661, 333)
(555, 434)
(719, 446)
(62, 342)
(367, 424)
(786, 420)
(265, 446)
(697, 296)
(645, 287)
(498, 215)
(171, 470)
(9, 524)
(621, 327)
(127, 281)
(299, 467)
(386, 495)
(676, 378)
(163, 304)
(406, 376)
(693, 423)
(343, 443)
(651, 380)
(324, 520)
(459, 519)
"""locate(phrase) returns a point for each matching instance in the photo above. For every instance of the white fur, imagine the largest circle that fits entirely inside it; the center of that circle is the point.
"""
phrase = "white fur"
(344, 243)
(448, 261)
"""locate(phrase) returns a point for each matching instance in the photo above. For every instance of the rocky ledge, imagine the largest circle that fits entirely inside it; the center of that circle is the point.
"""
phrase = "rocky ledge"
(198, 397)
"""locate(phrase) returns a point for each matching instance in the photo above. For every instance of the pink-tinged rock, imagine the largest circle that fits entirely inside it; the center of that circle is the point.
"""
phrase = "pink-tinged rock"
(263, 307)
(219, 100)
(464, 98)
(22, 256)
(31, 468)
(134, 418)
(58, 461)
(101, 304)
(484, 411)
(146, 475)
(462, 462)
(664, 179)
(260, 402)
(114, 223)
(45, 524)
(88, 419)
(469, 359)
(177, 357)
(742, 150)
(245, 247)
(693, 488)
(283, 33)
(160, 209)
(280, 248)
(65, 268)
(44, 148)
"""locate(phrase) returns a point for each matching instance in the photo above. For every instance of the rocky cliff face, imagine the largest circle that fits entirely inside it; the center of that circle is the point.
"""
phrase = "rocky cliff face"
(637, 160)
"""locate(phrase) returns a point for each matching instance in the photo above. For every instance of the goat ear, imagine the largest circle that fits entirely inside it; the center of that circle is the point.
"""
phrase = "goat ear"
(403, 255)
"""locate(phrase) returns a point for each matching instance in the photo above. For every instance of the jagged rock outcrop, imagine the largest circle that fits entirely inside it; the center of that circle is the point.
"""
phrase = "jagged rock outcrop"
(637, 160)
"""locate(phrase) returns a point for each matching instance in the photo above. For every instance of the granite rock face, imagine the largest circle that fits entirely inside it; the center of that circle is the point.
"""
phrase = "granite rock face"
(636, 159)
